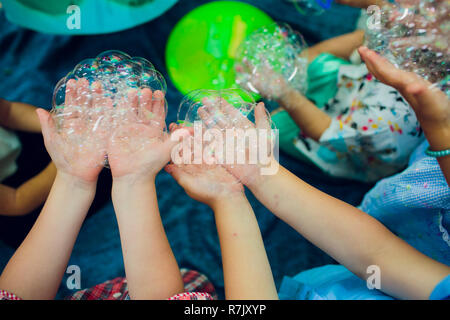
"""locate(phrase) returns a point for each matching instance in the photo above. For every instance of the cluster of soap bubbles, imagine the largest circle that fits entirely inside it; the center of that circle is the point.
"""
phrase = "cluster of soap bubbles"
(103, 93)
(271, 60)
(214, 101)
(311, 7)
(415, 36)
(231, 113)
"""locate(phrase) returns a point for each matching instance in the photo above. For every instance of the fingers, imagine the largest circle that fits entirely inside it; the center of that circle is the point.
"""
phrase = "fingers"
(97, 94)
(387, 73)
(173, 126)
(159, 107)
(47, 124)
(133, 101)
(145, 102)
(261, 117)
(71, 93)
(383, 70)
(205, 117)
(176, 137)
(83, 93)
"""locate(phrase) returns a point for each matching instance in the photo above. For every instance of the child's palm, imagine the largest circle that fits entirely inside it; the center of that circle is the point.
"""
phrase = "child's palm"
(206, 183)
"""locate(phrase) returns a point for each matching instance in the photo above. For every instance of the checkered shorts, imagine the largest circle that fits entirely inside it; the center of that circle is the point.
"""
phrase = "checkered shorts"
(196, 287)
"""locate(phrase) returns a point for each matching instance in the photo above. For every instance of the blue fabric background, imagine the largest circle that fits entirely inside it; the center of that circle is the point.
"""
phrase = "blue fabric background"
(32, 63)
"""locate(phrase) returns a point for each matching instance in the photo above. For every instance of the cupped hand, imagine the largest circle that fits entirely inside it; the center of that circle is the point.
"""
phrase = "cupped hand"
(209, 184)
(257, 158)
(264, 81)
(430, 104)
(74, 136)
(139, 147)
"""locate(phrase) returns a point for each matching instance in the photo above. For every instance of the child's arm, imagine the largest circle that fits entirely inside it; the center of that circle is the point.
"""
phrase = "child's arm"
(349, 235)
(150, 266)
(312, 120)
(30, 195)
(247, 271)
(36, 269)
(246, 268)
(19, 116)
(151, 269)
(341, 46)
(363, 4)
(431, 106)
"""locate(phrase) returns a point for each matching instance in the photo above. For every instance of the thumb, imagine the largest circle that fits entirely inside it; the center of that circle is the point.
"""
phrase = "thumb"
(177, 136)
(47, 123)
(177, 173)
(261, 118)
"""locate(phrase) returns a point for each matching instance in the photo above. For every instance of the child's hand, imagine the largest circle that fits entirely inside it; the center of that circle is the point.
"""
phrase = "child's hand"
(265, 81)
(139, 148)
(209, 184)
(64, 146)
(228, 118)
(430, 104)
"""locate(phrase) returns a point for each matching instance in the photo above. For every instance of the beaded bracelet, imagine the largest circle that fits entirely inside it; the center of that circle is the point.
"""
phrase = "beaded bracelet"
(437, 154)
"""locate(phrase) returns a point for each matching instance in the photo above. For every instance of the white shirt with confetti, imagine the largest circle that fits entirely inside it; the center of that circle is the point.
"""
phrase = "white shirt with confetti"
(372, 133)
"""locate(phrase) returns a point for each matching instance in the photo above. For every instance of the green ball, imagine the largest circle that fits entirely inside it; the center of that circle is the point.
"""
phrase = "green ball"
(201, 49)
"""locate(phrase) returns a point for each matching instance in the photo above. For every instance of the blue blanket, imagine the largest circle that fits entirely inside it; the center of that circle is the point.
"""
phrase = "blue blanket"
(32, 63)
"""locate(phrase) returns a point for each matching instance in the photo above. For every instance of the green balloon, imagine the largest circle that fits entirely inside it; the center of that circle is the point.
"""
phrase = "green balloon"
(201, 49)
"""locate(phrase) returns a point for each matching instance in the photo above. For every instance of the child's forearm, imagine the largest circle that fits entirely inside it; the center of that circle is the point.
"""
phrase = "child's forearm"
(247, 271)
(350, 236)
(151, 269)
(29, 196)
(19, 116)
(311, 120)
(341, 46)
(36, 269)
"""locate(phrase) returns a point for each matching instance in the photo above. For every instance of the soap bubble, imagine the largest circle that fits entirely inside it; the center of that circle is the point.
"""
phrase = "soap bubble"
(101, 94)
(311, 7)
(225, 131)
(414, 35)
(113, 56)
(272, 60)
(239, 99)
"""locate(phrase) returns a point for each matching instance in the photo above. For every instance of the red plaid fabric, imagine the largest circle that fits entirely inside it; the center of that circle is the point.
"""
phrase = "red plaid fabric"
(196, 286)
(5, 295)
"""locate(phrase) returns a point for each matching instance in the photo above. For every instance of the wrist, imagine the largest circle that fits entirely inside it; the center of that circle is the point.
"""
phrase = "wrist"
(128, 186)
(233, 200)
(289, 96)
(437, 134)
(264, 174)
(260, 182)
(134, 180)
(75, 182)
